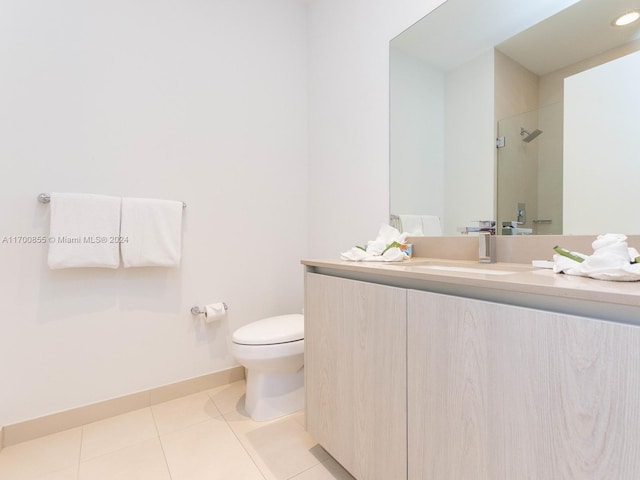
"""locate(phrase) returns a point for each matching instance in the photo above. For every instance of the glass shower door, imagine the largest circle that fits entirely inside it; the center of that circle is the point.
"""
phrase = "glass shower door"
(529, 183)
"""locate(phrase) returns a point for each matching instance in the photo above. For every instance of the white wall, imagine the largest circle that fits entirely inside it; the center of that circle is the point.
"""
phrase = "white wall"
(349, 117)
(416, 136)
(197, 101)
(550, 166)
(470, 144)
(601, 146)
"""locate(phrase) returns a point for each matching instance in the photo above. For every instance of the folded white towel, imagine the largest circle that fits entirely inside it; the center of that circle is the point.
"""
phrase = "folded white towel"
(376, 250)
(611, 260)
(84, 231)
(151, 232)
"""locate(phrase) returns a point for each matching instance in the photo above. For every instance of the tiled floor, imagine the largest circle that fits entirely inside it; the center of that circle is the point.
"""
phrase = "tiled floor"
(205, 436)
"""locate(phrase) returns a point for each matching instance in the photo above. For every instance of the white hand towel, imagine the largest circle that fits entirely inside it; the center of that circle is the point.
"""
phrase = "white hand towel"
(431, 225)
(151, 232)
(411, 224)
(84, 231)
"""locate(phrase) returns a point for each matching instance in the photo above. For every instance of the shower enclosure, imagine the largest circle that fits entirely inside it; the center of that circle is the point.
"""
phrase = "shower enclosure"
(529, 171)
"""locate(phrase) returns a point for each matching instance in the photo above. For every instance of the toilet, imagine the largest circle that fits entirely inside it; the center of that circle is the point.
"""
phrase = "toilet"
(272, 352)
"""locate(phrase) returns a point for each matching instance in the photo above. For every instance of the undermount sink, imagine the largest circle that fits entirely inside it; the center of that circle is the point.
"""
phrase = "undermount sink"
(479, 270)
(461, 266)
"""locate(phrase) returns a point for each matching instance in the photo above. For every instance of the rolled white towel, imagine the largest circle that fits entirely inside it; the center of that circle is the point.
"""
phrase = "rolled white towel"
(376, 247)
(377, 250)
(388, 234)
(611, 244)
(611, 260)
(608, 239)
(356, 254)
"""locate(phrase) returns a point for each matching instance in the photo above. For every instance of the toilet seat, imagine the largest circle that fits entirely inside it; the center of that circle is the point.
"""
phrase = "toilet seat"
(271, 331)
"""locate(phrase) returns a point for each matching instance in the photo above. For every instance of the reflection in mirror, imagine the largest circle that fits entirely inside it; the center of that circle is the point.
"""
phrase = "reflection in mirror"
(453, 94)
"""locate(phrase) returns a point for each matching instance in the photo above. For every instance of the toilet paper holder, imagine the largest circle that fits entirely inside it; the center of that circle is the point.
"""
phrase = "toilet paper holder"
(195, 310)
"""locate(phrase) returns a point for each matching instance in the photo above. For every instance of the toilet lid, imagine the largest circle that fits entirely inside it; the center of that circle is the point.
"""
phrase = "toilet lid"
(272, 330)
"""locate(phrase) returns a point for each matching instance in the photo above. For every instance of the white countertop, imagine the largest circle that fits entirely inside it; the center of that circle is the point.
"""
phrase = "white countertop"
(524, 285)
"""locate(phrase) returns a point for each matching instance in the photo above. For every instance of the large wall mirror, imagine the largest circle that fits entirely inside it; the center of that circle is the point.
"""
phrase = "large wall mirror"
(524, 113)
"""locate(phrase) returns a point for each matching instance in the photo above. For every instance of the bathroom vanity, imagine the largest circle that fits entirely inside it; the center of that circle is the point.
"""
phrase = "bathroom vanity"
(432, 369)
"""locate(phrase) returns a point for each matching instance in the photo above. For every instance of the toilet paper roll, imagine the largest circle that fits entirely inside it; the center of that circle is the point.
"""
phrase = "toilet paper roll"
(214, 312)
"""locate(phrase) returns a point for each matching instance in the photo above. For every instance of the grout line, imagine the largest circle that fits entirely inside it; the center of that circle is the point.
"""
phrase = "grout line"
(80, 452)
(164, 454)
(155, 422)
(244, 448)
(305, 470)
(224, 415)
(215, 405)
(111, 452)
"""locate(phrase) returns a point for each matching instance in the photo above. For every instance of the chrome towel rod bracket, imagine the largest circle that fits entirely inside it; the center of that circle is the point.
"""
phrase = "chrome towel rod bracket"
(46, 198)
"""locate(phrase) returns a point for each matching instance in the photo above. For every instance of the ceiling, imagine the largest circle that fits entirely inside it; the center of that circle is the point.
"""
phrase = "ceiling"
(542, 35)
(577, 33)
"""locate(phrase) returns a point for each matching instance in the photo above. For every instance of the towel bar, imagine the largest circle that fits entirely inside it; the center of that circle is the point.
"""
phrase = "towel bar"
(197, 311)
(46, 198)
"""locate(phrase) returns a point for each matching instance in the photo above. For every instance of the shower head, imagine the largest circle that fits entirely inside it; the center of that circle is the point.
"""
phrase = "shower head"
(529, 135)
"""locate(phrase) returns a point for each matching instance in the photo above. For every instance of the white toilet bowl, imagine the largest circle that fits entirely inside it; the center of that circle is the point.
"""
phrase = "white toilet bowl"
(272, 351)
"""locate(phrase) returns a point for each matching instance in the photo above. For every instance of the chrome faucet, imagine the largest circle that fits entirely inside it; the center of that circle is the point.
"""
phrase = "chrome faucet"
(486, 247)
(483, 226)
(486, 230)
(514, 228)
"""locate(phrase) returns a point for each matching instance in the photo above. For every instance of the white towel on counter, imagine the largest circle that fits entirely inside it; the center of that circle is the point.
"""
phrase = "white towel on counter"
(84, 231)
(151, 232)
(373, 252)
(611, 260)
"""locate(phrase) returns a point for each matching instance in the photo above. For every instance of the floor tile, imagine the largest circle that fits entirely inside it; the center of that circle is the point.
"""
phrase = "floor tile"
(300, 418)
(209, 451)
(118, 432)
(143, 461)
(229, 398)
(207, 435)
(184, 412)
(280, 448)
(327, 470)
(42, 456)
(70, 473)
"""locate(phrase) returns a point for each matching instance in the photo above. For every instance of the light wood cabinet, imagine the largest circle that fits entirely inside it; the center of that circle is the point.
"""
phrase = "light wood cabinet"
(409, 384)
(355, 374)
(503, 392)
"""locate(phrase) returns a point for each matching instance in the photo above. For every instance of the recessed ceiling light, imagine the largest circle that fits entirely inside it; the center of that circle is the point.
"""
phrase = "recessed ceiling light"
(627, 18)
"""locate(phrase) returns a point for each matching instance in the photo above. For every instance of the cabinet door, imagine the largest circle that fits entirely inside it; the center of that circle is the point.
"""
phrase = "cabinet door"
(355, 374)
(503, 392)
